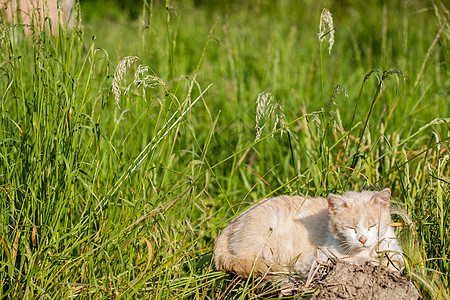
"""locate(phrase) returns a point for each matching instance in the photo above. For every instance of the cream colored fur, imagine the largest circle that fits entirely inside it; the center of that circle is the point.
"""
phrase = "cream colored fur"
(284, 233)
(37, 12)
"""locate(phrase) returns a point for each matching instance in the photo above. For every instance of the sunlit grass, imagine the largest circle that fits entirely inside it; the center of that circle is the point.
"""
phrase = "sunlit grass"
(118, 188)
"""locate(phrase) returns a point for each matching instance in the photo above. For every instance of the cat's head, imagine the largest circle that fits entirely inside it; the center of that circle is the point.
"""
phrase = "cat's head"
(359, 219)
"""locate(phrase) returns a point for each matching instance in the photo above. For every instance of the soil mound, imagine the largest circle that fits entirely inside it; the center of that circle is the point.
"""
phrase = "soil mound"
(341, 280)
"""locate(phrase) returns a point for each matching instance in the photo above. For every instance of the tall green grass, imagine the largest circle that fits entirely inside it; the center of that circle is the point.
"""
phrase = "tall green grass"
(99, 199)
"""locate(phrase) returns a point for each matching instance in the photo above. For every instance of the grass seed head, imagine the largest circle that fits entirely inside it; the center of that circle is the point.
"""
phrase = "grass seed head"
(144, 79)
(267, 106)
(326, 27)
(118, 75)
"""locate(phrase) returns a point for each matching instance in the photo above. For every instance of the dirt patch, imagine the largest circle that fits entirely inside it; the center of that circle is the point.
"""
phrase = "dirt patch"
(341, 280)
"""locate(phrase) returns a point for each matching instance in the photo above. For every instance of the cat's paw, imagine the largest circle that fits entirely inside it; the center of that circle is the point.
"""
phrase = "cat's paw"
(389, 265)
(395, 266)
(393, 263)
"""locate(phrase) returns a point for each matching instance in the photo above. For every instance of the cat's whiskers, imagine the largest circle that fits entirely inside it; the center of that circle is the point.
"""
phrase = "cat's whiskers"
(346, 248)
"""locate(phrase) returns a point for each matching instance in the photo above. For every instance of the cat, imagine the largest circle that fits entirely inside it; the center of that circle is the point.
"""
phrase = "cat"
(282, 234)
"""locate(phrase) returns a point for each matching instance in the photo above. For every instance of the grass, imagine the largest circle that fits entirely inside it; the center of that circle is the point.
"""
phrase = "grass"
(98, 201)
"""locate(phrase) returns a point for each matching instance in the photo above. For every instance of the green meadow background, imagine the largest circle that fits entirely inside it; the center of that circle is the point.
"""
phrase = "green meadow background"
(121, 192)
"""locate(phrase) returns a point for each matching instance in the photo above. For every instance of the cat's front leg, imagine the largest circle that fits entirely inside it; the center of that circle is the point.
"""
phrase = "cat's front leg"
(392, 261)
(360, 258)
(391, 254)
(393, 264)
(363, 260)
(324, 254)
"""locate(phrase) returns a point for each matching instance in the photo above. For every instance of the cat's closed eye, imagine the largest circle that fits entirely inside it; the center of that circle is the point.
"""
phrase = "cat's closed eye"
(372, 226)
(349, 227)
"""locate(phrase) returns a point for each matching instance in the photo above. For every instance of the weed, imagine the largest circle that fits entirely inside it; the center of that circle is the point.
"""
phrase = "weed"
(101, 201)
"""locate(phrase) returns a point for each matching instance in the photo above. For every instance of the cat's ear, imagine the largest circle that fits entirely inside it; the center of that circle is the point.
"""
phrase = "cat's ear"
(383, 198)
(336, 203)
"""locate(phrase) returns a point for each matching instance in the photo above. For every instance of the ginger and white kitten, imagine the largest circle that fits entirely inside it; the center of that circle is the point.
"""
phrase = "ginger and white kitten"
(282, 234)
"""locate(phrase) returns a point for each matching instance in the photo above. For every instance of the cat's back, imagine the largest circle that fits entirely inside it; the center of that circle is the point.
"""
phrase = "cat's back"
(283, 208)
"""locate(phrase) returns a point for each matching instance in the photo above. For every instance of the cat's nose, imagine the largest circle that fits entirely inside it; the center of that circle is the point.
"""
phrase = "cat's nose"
(362, 239)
